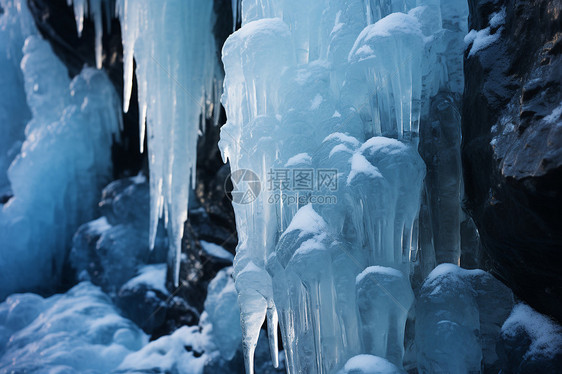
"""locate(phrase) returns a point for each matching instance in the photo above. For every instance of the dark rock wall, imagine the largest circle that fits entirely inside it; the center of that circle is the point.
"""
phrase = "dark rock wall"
(512, 146)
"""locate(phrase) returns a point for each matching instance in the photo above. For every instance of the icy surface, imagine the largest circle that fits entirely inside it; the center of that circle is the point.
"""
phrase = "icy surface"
(80, 331)
(153, 276)
(66, 155)
(338, 86)
(14, 112)
(459, 314)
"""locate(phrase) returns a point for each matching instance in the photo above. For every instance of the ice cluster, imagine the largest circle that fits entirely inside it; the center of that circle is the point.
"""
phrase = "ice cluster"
(326, 103)
(172, 46)
(65, 158)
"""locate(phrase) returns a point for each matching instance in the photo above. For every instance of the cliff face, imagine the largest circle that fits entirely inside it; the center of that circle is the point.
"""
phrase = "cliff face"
(512, 143)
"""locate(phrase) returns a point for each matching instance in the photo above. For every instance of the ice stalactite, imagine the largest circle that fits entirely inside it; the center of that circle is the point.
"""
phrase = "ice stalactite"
(336, 90)
(66, 156)
(173, 47)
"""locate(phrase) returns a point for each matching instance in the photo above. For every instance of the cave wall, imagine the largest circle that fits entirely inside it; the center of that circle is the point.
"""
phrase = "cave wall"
(512, 145)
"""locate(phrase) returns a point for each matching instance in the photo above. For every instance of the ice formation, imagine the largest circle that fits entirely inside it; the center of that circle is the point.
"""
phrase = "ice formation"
(66, 155)
(340, 91)
(173, 47)
(459, 315)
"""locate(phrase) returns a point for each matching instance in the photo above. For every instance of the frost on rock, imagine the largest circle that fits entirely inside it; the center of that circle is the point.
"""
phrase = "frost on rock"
(459, 315)
(530, 342)
(340, 86)
(66, 155)
(109, 250)
(173, 47)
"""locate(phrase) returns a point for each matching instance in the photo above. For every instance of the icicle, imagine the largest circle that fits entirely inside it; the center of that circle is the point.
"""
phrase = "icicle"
(95, 8)
(80, 9)
(173, 47)
(235, 7)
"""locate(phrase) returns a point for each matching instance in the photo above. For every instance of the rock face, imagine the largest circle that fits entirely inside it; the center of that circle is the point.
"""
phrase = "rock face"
(512, 143)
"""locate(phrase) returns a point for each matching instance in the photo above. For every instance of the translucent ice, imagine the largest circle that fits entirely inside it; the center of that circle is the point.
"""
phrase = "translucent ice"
(332, 86)
(384, 297)
(173, 47)
(14, 112)
(66, 156)
(458, 319)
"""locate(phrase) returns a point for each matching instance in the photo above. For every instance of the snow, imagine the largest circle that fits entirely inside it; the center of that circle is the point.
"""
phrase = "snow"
(307, 221)
(554, 117)
(360, 165)
(315, 104)
(379, 270)
(299, 159)
(369, 364)
(482, 39)
(169, 353)
(216, 250)
(153, 276)
(546, 335)
(497, 19)
(80, 331)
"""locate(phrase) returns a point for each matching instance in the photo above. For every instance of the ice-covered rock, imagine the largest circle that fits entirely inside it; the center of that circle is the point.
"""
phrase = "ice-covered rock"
(459, 314)
(530, 342)
(109, 250)
(80, 331)
(66, 155)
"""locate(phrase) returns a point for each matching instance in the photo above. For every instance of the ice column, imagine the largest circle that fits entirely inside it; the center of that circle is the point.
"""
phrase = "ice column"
(330, 86)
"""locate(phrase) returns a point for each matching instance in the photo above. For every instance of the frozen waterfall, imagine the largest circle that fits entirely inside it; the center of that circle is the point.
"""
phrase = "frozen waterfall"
(326, 105)
(343, 122)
